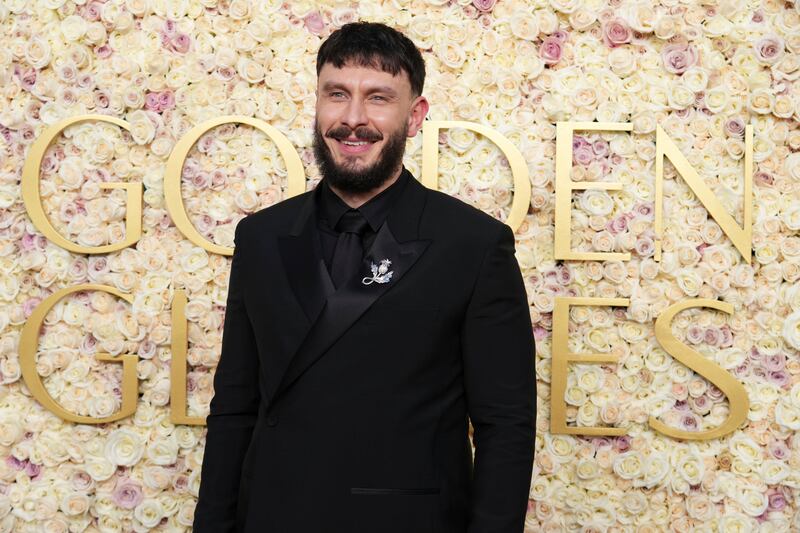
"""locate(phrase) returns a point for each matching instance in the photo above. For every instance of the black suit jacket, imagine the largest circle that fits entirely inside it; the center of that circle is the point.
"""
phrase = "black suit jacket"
(346, 410)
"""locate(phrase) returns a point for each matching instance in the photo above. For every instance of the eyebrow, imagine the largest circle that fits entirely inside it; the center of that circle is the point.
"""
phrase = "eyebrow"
(331, 85)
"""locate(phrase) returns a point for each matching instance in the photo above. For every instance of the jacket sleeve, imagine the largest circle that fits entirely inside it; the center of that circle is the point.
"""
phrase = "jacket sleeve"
(233, 409)
(498, 355)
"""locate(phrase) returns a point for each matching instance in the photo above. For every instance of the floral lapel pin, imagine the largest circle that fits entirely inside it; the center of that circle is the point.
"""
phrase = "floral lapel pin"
(380, 273)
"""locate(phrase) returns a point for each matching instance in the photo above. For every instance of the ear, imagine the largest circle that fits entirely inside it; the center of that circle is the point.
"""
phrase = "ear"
(419, 109)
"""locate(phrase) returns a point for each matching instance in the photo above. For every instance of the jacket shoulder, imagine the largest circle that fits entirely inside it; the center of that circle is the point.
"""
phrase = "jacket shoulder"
(275, 218)
(456, 217)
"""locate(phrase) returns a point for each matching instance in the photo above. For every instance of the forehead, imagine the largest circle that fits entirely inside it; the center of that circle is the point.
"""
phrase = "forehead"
(354, 75)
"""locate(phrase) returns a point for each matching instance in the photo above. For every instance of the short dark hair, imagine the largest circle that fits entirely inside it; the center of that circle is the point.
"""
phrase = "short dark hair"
(376, 45)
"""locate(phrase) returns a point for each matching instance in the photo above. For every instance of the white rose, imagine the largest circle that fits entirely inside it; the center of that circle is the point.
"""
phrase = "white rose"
(163, 452)
(774, 471)
(753, 502)
(149, 512)
(142, 128)
(73, 27)
(100, 469)
(596, 202)
(791, 330)
(124, 447)
(629, 465)
(691, 468)
(75, 503)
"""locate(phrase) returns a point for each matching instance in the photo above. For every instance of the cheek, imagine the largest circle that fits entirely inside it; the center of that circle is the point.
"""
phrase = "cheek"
(387, 121)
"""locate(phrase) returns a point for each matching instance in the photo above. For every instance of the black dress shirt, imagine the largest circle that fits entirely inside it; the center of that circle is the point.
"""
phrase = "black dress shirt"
(375, 210)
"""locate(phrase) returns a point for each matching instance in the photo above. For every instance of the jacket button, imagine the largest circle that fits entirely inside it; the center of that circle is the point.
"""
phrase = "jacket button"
(272, 420)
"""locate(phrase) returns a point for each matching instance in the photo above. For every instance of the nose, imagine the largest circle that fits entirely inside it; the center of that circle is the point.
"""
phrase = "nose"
(355, 114)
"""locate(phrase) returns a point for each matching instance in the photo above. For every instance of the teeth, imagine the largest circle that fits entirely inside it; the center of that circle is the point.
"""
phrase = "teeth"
(357, 143)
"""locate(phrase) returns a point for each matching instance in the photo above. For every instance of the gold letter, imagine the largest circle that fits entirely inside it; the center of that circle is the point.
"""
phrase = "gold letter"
(172, 178)
(562, 357)
(742, 237)
(29, 342)
(177, 367)
(33, 201)
(565, 186)
(736, 393)
(519, 169)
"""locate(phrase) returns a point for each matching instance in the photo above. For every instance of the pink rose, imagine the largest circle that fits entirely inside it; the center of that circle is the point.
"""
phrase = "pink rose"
(81, 480)
(561, 35)
(201, 180)
(769, 49)
(775, 363)
(28, 79)
(181, 43)
(15, 463)
(678, 57)
(33, 470)
(29, 305)
(777, 501)
(764, 178)
(170, 26)
(695, 334)
(690, 422)
(484, 5)
(583, 155)
(127, 493)
(645, 209)
(550, 50)
(151, 102)
(622, 443)
(600, 148)
(617, 225)
(734, 127)
(645, 246)
(712, 336)
(104, 51)
(91, 12)
(780, 378)
(778, 449)
(616, 33)
(726, 336)
(314, 23)
(28, 242)
(166, 100)
(701, 403)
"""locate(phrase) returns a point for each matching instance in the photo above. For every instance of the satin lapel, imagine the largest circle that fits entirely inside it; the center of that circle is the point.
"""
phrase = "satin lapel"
(301, 254)
(348, 303)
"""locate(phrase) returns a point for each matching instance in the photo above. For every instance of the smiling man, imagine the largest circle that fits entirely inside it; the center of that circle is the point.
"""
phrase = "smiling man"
(368, 321)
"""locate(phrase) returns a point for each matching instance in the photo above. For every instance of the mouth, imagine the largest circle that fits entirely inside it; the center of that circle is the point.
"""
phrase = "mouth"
(354, 146)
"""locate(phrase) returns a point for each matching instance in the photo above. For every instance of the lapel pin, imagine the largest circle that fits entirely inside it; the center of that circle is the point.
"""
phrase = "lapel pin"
(380, 273)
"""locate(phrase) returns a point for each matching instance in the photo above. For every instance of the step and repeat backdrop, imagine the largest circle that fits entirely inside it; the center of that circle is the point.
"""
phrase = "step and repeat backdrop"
(645, 153)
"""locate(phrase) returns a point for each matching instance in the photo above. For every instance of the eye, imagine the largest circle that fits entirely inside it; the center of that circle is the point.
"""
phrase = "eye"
(379, 98)
(336, 94)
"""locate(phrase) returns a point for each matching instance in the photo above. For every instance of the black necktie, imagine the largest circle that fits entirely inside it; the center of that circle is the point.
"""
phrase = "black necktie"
(349, 250)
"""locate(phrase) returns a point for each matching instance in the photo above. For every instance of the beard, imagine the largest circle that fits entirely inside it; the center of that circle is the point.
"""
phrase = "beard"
(346, 177)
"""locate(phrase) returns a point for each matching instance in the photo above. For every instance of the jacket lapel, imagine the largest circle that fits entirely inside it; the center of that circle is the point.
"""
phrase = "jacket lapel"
(332, 311)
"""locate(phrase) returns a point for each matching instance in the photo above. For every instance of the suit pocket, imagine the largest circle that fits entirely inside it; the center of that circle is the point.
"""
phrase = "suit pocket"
(394, 510)
(386, 491)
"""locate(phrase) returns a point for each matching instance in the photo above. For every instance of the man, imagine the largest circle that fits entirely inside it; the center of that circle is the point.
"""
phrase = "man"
(366, 320)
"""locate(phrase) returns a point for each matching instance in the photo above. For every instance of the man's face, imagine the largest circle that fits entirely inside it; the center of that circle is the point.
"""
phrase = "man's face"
(363, 118)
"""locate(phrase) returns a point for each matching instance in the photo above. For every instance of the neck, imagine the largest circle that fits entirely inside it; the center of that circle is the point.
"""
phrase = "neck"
(357, 199)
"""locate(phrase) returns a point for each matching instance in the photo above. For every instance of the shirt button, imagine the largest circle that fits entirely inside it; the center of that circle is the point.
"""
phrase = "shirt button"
(272, 420)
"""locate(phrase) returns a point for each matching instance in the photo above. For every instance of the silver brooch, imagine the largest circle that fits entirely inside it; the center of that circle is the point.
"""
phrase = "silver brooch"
(380, 273)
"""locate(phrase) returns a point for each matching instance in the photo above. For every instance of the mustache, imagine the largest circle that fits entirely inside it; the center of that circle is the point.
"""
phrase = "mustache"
(362, 133)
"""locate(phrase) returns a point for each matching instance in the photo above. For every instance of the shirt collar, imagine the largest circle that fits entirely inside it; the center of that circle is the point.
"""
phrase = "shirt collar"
(375, 210)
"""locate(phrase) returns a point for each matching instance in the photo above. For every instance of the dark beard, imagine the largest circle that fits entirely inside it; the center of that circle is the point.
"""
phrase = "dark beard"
(359, 181)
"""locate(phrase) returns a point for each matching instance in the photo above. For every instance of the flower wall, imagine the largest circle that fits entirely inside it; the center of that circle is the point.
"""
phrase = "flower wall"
(702, 70)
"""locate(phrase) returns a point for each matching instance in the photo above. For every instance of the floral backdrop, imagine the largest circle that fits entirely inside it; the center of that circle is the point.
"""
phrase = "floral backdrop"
(700, 69)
